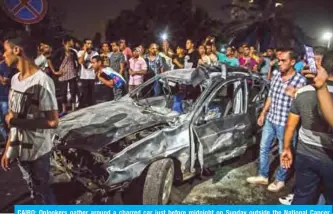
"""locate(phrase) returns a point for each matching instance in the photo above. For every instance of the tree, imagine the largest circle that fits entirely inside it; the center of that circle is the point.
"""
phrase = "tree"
(264, 23)
(150, 18)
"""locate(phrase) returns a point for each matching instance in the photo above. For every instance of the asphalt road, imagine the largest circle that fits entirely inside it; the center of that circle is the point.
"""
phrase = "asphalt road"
(226, 186)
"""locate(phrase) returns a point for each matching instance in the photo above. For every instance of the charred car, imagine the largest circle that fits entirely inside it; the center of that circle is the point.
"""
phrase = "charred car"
(203, 117)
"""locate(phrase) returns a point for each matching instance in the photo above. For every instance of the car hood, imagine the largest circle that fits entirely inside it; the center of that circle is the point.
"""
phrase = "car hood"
(96, 126)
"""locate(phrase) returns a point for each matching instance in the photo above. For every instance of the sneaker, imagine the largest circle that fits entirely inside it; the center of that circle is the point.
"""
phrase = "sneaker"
(287, 199)
(257, 180)
(275, 186)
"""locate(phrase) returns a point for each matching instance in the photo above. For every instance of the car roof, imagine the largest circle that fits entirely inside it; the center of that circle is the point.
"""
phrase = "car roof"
(195, 76)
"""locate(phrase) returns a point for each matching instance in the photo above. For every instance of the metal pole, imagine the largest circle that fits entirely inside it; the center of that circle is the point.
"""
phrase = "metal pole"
(28, 29)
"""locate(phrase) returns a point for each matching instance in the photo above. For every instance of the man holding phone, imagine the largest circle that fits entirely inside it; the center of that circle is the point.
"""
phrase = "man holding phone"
(312, 108)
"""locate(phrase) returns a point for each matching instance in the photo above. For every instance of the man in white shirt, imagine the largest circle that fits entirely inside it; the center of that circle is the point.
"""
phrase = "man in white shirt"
(87, 74)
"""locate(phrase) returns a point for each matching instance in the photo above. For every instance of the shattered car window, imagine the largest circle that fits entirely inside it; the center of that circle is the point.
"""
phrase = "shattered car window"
(173, 96)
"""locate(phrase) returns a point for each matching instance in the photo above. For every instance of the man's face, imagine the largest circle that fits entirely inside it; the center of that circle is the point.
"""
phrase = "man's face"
(46, 49)
(10, 54)
(201, 50)
(105, 48)
(240, 50)
(252, 50)
(285, 63)
(165, 45)
(246, 51)
(136, 54)
(188, 45)
(96, 64)
(269, 52)
(142, 49)
(229, 51)
(122, 44)
(115, 47)
(153, 49)
(179, 50)
(209, 49)
(89, 44)
(318, 59)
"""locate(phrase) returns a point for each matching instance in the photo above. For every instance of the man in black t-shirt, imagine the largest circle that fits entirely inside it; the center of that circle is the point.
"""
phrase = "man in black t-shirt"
(192, 56)
(314, 153)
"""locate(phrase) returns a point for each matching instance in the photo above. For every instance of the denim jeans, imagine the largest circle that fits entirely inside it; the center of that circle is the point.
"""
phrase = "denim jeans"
(37, 175)
(3, 112)
(310, 173)
(269, 133)
(157, 88)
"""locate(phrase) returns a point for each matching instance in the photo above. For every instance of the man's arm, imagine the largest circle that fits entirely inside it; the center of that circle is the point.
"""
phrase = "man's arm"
(49, 122)
(106, 82)
(326, 103)
(266, 106)
(291, 125)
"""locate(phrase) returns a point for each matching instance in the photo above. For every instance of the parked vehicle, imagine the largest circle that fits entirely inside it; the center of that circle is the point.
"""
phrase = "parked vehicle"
(203, 117)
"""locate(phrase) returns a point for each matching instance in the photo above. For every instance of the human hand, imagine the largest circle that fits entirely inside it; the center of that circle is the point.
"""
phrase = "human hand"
(319, 78)
(5, 161)
(261, 120)
(286, 158)
(8, 117)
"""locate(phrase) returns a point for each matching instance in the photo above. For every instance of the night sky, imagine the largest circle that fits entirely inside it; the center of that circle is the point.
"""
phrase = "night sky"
(85, 18)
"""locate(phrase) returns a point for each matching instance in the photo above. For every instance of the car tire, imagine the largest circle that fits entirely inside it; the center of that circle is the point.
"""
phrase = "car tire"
(158, 182)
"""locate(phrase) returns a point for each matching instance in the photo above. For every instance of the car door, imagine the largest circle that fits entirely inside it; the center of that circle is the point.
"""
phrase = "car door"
(220, 134)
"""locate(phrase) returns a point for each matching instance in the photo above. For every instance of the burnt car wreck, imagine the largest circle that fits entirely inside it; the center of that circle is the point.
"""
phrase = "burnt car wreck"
(203, 117)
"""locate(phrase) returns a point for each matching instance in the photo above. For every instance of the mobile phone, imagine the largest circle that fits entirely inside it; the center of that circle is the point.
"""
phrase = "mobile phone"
(310, 58)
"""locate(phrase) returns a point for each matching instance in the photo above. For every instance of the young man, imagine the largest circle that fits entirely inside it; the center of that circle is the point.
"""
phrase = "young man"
(65, 65)
(117, 59)
(319, 53)
(283, 88)
(87, 74)
(192, 57)
(154, 66)
(33, 111)
(246, 61)
(109, 77)
(313, 159)
(138, 68)
(105, 54)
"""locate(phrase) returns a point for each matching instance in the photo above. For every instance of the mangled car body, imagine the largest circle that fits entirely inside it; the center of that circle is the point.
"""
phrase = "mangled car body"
(141, 136)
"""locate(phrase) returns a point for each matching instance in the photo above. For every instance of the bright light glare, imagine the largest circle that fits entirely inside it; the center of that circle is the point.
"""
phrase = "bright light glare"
(278, 4)
(327, 36)
(164, 36)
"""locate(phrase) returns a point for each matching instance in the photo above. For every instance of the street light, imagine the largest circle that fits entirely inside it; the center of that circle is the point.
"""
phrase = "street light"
(164, 36)
(328, 36)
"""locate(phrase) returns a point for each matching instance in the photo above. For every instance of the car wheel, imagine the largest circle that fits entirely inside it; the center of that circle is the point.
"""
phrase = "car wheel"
(158, 182)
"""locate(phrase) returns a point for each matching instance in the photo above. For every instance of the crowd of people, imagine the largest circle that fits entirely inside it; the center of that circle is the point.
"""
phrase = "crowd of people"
(296, 113)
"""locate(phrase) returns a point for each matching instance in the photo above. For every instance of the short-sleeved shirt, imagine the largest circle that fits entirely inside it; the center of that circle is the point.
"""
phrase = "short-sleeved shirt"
(87, 72)
(29, 99)
(41, 62)
(109, 74)
(280, 100)
(115, 60)
(154, 66)
(232, 61)
(138, 64)
(315, 134)
(248, 63)
(191, 60)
